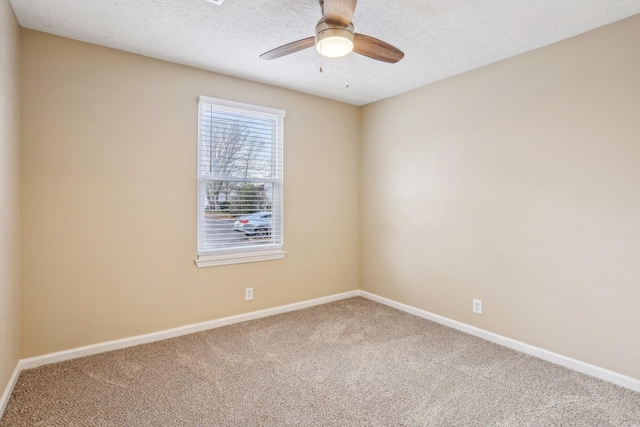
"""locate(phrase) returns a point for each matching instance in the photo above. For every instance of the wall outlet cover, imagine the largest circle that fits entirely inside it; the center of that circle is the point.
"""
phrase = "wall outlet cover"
(477, 306)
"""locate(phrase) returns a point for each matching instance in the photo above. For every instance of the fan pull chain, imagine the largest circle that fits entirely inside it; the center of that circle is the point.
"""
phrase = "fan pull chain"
(346, 83)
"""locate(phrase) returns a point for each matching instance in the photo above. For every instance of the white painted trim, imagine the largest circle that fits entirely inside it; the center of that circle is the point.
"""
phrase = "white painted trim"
(238, 258)
(225, 104)
(549, 356)
(88, 350)
(6, 395)
(577, 365)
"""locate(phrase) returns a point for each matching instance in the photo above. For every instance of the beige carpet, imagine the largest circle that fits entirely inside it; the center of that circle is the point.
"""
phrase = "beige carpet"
(349, 363)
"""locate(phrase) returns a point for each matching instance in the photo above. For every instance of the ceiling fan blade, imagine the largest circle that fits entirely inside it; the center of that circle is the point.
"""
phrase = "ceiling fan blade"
(376, 49)
(338, 12)
(289, 48)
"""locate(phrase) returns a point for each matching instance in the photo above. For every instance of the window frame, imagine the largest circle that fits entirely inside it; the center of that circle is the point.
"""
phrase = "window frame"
(236, 255)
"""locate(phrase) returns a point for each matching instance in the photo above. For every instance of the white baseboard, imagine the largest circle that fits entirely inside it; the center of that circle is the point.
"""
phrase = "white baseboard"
(74, 353)
(88, 350)
(577, 365)
(6, 395)
(549, 356)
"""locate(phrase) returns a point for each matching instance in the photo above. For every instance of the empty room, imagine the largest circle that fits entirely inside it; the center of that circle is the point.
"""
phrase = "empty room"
(319, 213)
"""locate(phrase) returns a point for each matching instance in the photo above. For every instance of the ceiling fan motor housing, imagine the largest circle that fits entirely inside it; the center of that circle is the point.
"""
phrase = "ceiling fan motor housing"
(332, 40)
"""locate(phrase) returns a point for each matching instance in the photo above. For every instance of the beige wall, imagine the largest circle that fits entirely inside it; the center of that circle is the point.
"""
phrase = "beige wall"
(519, 184)
(109, 197)
(9, 193)
(515, 183)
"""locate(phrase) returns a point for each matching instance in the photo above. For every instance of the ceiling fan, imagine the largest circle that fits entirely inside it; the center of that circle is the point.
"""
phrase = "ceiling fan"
(335, 37)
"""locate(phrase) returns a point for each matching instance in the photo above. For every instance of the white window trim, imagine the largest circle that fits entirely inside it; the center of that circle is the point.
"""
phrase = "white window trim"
(239, 258)
(242, 106)
(238, 255)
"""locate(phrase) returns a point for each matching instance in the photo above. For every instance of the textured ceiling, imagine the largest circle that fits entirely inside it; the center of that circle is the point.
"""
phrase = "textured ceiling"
(440, 38)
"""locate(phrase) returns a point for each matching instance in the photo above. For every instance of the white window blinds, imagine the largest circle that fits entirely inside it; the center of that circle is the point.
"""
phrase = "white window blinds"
(239, 179)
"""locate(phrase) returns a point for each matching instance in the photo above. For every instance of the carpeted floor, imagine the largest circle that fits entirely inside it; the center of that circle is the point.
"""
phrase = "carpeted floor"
(349, 363)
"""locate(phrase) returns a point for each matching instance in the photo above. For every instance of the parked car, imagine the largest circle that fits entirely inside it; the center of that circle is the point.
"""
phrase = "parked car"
(254, 225)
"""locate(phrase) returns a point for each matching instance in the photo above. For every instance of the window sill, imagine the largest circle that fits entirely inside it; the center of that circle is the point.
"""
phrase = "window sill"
(238, 258)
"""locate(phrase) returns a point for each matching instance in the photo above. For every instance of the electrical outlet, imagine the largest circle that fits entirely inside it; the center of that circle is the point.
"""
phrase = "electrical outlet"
(477, 306)
(248, 294)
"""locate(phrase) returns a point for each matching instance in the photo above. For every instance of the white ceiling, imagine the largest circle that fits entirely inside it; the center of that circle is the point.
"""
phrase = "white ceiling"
(440, 38)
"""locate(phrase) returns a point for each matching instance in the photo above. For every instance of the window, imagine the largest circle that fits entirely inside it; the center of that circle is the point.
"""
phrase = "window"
(239, 182)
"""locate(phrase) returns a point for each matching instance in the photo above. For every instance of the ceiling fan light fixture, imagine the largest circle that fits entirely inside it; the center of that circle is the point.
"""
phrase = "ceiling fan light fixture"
(334, 42)
(334, 47)
(335, 37)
